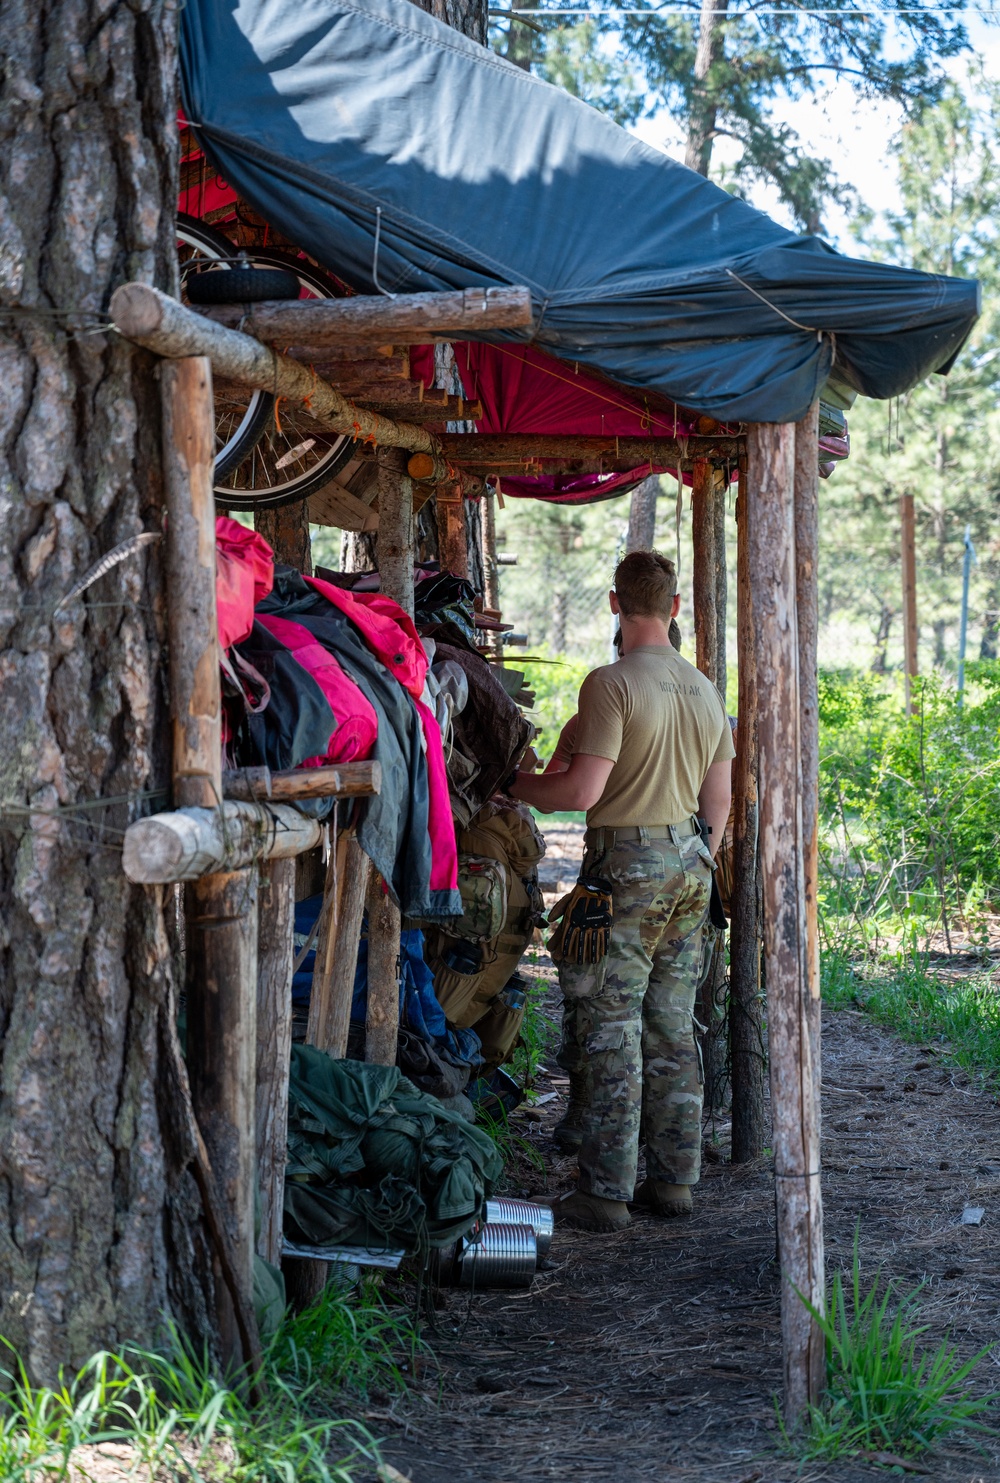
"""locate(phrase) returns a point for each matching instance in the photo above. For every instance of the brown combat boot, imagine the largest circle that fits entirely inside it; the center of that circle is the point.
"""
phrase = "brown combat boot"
(667, 1200)
(567, 1134)
(588, 1212)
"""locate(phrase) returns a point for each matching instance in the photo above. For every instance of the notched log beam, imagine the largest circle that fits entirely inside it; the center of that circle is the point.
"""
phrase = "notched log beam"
(405, 319)
(191, 842)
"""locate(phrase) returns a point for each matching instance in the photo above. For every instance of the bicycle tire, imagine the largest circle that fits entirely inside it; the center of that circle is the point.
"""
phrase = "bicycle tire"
(238, 429)
(241, 285)
(244, 484)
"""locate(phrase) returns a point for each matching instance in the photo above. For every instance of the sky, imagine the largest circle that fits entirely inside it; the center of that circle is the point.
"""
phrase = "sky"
(838, 126)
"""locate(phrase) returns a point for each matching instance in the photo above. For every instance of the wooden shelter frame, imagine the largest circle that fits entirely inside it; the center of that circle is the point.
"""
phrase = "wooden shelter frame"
(240, 926)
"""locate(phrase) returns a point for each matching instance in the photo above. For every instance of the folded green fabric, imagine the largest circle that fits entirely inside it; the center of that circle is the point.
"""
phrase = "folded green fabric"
(374, 1162)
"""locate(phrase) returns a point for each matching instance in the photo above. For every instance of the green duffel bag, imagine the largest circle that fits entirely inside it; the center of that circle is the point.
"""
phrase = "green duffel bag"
(483, 886)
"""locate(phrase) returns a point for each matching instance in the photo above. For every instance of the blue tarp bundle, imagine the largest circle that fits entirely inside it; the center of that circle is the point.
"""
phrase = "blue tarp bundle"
(337, 119)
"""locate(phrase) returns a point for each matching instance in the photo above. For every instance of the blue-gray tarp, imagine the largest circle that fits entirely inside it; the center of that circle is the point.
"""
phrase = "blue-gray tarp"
(321, 112)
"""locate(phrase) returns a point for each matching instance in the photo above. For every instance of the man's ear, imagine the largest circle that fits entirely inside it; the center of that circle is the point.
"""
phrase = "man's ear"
(675, 606)
(613, 599)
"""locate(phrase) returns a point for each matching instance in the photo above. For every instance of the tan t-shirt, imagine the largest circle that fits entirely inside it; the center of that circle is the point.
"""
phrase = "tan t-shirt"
(662, 724)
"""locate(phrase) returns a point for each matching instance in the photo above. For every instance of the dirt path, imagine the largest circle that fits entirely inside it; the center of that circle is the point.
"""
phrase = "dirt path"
(654, 1354)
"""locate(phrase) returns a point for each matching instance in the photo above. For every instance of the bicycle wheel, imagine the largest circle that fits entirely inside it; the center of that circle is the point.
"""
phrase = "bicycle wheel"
(268, 456)
(240, 416)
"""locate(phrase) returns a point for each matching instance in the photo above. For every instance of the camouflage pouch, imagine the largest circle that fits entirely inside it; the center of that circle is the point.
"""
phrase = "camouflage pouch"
(483, 886)
(584, 918)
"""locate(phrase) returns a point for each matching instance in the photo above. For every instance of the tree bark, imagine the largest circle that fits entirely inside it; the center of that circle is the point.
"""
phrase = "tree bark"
(275, 952)
(104, 1238)
(382, 1018)
(779, 502)
(702, 108)
(747, 1054)
(467, 16)
(909, 555)
(642, 515)
(286, 531)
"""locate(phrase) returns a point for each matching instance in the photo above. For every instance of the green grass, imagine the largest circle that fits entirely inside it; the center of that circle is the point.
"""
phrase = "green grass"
(539, 1037)
(341, 1343)
(176, 1413)
(883, 1393)
(513, 1147)
(960, 1019)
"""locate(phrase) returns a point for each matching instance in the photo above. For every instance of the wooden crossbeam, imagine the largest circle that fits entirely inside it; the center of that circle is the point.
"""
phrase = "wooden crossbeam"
(494, 450)
(345, 780)
(453, 409)
(161, 324)
(405, 319)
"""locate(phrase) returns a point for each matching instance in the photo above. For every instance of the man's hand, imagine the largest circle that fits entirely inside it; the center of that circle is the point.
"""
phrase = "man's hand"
(714, 800)
(578, 788)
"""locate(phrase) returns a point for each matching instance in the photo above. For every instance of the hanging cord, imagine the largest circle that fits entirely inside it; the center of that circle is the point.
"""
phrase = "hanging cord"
(378, 235)
(810, 329)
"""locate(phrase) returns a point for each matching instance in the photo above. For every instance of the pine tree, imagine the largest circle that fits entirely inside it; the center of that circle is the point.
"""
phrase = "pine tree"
(941, 442)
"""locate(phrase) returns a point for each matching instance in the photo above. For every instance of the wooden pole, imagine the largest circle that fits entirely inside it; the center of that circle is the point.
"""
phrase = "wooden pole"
(807, 617)
(748, 1059)
(222, 1052)
(909, 556)
(710, 1008)
(221, 908)
(494, 450)
(395, 564)
(339, 780)
(452, 544)
(771, 468)
(395, 528)
(382, 1019)
(491, 567)
(194, 842)
(275, 952)
(720, 575)
(337, 947)
(195, 691)
(703, 568)
(403, 319)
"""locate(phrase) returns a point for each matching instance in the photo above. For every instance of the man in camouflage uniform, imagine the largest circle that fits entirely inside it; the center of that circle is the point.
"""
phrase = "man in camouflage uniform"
(652, 750)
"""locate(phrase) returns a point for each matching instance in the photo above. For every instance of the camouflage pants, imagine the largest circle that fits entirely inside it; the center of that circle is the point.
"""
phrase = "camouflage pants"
(629, 1020)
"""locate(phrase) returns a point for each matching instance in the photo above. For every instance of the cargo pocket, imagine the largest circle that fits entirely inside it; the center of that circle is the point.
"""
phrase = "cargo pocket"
(608, 1037)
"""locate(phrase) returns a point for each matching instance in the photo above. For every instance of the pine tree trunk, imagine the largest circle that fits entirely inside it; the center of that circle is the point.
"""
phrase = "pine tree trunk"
(702, 106)
(467, 16)
(642, 515)
(101, 1218)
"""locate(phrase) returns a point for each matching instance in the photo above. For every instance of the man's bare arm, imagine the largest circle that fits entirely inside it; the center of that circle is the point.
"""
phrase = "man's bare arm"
(714, 800)
(579, 787)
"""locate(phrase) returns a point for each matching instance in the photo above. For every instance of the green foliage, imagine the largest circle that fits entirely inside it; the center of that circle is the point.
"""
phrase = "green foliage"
(939, 443)
(513, 1147)
(556, 684)
(960, 1020)
(882, 1393)
(909, 808)
(174, 1413)
(539, 1033)
(346, 1342)
(752, 60)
